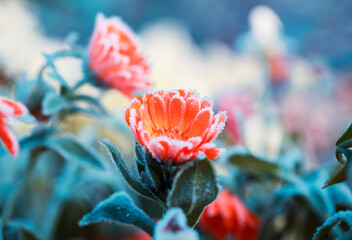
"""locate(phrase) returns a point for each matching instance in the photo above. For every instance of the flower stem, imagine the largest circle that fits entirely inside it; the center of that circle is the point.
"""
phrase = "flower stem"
(79, 84)
(86, 79)
(11, 203)
(61, 192)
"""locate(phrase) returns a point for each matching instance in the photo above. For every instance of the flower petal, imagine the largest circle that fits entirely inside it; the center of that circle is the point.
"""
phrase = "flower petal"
(176, 111)
(8, 138)
(201, 123)
(191, 111)
(10, 109)
(212, 153)
(157, 111)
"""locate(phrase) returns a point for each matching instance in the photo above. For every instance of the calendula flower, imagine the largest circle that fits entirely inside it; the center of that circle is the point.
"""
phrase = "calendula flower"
(229, 216)
(175, 126)
(115, 58)
(8, 111)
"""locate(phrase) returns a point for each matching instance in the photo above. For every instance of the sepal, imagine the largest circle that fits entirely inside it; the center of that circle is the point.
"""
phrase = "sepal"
(136, 184)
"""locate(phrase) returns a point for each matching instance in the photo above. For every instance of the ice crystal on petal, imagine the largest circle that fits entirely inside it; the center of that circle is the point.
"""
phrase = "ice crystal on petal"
(115, 58)
(175, 125)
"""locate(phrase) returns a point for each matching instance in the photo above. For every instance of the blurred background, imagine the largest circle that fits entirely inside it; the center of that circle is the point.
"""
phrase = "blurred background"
(295, 56)
(282, 70)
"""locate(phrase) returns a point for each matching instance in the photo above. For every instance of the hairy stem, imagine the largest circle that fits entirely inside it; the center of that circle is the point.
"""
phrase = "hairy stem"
(61, 191)
(11, 202)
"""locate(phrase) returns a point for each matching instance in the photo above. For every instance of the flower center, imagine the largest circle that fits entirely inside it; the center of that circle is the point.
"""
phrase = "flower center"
(173, 133)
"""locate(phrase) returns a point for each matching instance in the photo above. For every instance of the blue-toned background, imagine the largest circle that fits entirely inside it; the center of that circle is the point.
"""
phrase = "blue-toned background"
(321, 28)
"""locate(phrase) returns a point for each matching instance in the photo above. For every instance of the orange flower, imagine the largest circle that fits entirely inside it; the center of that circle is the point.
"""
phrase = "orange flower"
(8, 110)
(228, 215)
(175, 126)
(114, 56)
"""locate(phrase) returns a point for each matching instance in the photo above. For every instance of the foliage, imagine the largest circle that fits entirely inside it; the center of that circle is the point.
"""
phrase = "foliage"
(343, 155)
(119, 208)
(190, 187)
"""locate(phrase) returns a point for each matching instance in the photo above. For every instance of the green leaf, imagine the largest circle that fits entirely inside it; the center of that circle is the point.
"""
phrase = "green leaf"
(93, 103)
(33, 140)
(349, 175)
(195, 186)
(346, 144)
(343, 155)
(73, 150)
(119, 208)
(15, 231)
(324, 230)
(243, 159)
(72, 109)
(37, 138)
(131, 180)
(346, 136)
(338, 177)
(143, 167)
(53, 103)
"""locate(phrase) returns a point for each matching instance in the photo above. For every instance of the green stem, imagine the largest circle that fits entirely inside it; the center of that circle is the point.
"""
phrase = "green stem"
(61, 191)
(86, 79)
(11, 203)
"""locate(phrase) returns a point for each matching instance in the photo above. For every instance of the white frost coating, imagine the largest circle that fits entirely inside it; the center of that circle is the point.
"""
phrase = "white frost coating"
(102, 22)
(173, 226)
(175, 124)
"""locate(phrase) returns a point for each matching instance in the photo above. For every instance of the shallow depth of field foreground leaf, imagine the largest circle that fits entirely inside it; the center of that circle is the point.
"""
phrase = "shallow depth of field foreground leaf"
(119, 208)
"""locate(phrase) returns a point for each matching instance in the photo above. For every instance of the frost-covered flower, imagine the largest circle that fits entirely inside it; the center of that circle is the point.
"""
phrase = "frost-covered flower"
(175, 126)
(229, 216)
(8, 111)
(173, 226)
(115, 58)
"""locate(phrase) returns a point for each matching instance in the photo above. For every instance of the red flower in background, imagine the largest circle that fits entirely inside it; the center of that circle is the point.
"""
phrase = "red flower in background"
(114, 56)
(239, 106)
(8, 111)
(140, 235)
(229, 216)
(278, 69)
(175, 126)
